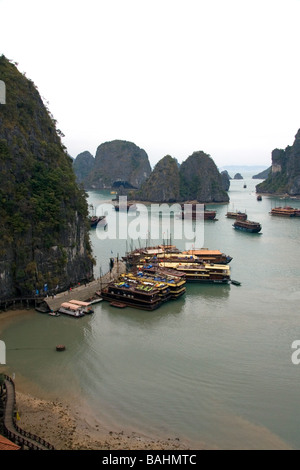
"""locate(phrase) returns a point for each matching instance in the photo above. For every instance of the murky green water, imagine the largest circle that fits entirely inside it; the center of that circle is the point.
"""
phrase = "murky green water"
(213, 366)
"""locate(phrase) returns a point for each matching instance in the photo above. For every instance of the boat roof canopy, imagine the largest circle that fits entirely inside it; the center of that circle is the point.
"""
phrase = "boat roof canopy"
(70, 306)
(203, 251)
(79, 302)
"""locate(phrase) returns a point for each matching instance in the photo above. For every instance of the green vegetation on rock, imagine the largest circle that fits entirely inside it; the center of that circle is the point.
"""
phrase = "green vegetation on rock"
(285, 175)
(163, 185)
(197, 179)
(44, 232)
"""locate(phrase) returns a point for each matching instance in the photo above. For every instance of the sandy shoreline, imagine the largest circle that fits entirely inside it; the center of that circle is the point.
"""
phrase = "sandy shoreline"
(67, 427)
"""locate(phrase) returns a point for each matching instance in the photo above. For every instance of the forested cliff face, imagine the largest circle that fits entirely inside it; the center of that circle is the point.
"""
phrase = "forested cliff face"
(44, 235)
(284, 176)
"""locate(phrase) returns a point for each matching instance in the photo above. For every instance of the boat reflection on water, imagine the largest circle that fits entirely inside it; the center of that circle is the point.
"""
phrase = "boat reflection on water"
(208, 292)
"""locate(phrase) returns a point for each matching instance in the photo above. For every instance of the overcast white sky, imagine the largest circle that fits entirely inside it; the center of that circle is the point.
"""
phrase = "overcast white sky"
(171, 76)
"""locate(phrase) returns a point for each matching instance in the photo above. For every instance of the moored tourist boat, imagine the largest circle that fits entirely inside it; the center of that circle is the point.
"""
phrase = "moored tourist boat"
(192, 212)
(209, 256)
(70, 309)
(247, 226)
(196, 272)
(286, 211)
(86, 306)
(167, 253)
(175, 282)
(237, 215)
(133, 293)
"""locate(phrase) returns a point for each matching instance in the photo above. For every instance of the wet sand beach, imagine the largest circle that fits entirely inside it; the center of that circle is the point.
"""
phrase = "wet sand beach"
(67, 429)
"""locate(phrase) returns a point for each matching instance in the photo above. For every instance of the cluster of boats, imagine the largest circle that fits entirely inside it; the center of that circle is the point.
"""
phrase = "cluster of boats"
(158, 274)
(242, 222)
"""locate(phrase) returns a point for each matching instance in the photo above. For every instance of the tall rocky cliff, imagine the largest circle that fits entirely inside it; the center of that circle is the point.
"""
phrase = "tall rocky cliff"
(44, 236)
(83, 165)
(118, 163)
(225, 179)
(285, 174)
(201, 180)
(163, 185)
(197, 179)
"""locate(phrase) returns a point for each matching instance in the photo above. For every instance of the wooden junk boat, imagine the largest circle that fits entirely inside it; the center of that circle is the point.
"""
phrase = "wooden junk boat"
(198, 272)
(190, 256)
(166, 253)
(134, 293)
(190, 212)
(247, 226)
(237, 215)
(210, 256)
(134, 257)
(285, 211)
(175, 281)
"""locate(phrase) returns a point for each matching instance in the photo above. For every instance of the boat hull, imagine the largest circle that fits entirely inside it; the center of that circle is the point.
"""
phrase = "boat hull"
(247, 229)
(130, 302)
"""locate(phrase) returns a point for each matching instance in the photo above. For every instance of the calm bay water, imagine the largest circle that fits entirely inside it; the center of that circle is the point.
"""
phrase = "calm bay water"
(212, 367)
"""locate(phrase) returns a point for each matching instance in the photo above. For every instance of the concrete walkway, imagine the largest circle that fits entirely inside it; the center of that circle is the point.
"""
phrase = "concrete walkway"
(88, 291)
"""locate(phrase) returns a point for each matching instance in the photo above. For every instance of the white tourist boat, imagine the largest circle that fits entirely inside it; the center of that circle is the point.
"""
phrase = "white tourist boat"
(70, 309)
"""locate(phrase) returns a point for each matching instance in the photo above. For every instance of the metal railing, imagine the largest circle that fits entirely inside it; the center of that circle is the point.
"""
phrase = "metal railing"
(17, 434)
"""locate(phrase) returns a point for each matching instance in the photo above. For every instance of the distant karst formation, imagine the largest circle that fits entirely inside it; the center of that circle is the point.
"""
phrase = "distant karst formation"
(163, 185)
(238, 176)
(226, 180)
(117, 163)
(83, 165)
(197, 179)
(263, 174)
(44, 232)
(285, 175)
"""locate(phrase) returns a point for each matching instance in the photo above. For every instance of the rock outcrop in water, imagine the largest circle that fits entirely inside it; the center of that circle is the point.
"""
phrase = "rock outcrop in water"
(201, 180)
(197, 179)
(163, 185)
(238, 176)
(44, 232)
(118, 163)
(285, 175)
(225, 180)
(83, 165)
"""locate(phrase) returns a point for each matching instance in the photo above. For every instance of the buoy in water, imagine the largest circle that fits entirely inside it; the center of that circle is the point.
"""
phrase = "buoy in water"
(60, 347)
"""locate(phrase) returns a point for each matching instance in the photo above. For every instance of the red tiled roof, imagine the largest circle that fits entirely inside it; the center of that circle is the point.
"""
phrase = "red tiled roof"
(5, 444)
